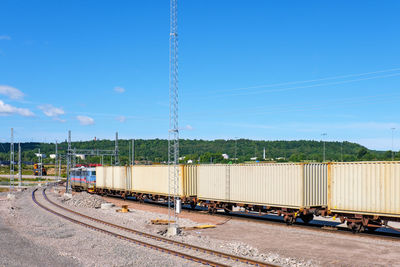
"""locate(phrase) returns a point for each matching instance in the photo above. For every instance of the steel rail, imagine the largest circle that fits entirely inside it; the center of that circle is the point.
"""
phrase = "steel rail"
(166, 240)
(135, 241)
(249, 217)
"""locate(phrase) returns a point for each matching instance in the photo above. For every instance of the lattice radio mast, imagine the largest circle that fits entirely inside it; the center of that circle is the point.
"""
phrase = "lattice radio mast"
(173, 136)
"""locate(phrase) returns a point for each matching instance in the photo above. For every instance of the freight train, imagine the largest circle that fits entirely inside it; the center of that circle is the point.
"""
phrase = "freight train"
(365, 195)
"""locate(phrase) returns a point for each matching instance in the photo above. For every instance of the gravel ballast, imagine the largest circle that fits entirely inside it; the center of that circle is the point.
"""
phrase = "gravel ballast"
(48, 240)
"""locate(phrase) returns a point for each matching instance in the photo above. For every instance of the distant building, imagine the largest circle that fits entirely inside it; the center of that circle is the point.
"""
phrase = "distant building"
(225, 156)
(190, 161)
(40, 155)
(81, 156)
(52, 156)
(253, 158)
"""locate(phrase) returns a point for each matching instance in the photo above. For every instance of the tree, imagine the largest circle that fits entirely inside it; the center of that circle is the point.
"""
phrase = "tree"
(361, 153)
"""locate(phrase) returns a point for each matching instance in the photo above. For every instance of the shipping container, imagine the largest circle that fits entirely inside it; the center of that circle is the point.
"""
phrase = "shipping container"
(212, 182)
(285, 185)
(153, 179)
(189, 180)
(100, 177)
(370, 188)
(112, 177)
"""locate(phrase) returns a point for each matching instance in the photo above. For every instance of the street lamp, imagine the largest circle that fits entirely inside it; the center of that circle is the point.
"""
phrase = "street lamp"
(236, 149)
(323, 140)
(392, 143)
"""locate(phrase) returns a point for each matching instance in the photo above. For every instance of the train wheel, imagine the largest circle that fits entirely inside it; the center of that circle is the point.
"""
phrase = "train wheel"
(228, 209)
(307, 218)
(289, 220)
(193, 205)
(355, 227)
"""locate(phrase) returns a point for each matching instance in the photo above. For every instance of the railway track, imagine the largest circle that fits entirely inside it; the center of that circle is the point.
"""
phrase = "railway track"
(172, 247)
(254, 218)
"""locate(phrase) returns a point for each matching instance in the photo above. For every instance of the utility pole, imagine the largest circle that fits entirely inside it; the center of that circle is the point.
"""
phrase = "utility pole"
(341, 151)
(12, 161)
(116, 150)
(393, 143)
(173, 134)
(133, 151)
(55, 161)
(40, 163)
(236, 149)
(19, 166)
(264, 154)
(323, 140)
(68, 185)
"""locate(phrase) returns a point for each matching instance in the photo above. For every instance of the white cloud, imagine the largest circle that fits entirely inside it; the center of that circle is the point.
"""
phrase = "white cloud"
(85, 120)
(51, 111)
(121, 118)
(5, 37)
(59, 119)
(6, 109)
(119, 89)
(188, 127)
(11, 92)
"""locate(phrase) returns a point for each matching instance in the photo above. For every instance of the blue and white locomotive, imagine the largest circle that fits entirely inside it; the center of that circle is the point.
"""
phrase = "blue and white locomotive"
(83, 178)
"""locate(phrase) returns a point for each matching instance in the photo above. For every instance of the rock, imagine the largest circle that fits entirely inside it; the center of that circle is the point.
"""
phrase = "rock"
(84, 200)
(107, 206)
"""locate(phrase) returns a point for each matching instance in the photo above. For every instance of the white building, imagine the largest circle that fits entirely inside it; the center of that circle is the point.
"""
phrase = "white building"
(81, 156)
(225, 156)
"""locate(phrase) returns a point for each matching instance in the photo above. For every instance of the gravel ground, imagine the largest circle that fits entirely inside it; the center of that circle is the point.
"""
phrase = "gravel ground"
(46, 240)
(281, 245)
(141, 220)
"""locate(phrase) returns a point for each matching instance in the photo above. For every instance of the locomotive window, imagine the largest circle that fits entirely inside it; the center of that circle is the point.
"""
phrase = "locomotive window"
(93, 172)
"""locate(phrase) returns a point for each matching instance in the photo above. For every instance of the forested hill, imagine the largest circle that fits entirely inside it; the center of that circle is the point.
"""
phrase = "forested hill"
(155, 150)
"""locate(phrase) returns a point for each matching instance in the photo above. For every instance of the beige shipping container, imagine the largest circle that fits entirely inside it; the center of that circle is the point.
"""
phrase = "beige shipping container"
(189, 180)
(100, 177)
(111, 177)
(283, 185)
(153, 179)
(365, 188)
(212, 182)
(119, 177)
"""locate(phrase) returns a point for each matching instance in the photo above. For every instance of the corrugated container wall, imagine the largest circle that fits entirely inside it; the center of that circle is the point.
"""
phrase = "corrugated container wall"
(288, 185)
(212, 182)
(100, 177)
(365, 188)
(315, 185)
(267, 184)
(153, 179)
(109, 176)
(190, 180)
(119, 177)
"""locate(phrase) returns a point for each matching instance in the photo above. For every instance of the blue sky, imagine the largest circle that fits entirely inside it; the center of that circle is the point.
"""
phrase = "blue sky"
(267, 70)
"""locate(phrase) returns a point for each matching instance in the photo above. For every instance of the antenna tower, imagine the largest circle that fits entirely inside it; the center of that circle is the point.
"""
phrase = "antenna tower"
(173, 135)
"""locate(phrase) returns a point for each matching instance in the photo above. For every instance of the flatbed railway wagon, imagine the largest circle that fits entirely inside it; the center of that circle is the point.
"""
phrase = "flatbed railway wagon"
(366, 195)
(288, 189)
(146, 182)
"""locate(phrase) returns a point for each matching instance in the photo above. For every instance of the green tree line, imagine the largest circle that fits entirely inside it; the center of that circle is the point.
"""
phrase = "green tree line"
(208, 151)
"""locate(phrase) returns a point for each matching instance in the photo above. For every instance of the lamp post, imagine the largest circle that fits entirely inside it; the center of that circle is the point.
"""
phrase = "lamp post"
(392, 143)
(236, 149)
(323, 140)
